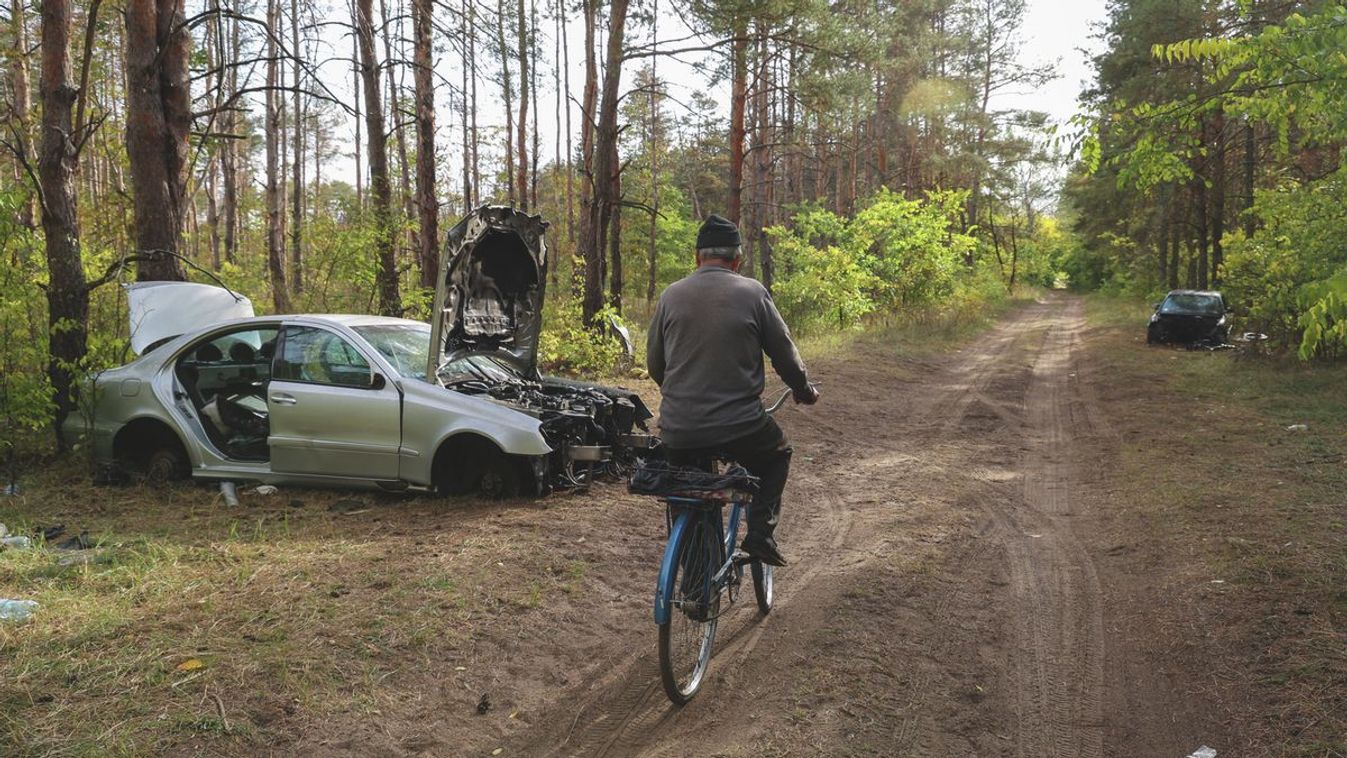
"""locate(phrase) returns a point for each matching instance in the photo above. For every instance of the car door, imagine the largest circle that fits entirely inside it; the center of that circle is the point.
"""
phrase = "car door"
(332, 413)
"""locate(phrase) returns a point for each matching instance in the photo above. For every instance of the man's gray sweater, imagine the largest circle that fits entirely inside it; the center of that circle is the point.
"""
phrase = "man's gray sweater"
(705, 351)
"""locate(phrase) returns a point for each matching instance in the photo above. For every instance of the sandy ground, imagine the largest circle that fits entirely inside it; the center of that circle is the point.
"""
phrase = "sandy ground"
(944, 596)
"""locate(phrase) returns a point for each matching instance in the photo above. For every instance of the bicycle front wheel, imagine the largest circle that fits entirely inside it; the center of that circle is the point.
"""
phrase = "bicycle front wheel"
(686, 639)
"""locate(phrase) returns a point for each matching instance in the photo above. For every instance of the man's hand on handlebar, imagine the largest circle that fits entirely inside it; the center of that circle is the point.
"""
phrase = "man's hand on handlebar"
(808, 397)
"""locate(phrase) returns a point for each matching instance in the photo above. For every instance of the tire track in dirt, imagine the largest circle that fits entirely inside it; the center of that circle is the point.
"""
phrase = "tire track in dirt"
(988, 432)
(1055, 664)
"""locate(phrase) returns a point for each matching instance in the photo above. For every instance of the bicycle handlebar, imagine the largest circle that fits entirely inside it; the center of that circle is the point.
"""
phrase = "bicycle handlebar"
(781, 399)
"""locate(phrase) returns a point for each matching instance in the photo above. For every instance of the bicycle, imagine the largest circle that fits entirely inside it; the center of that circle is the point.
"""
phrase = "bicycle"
(702, 567)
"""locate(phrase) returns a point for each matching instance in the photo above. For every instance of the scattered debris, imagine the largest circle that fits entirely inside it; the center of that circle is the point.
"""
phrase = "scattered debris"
(483, 705)
(10, 490)
(230, 494)
(191, 664)
(1203, 752)
(16, 542)
(16, 610)
(266, 489)
(4, 530)
(51, 532)
(81, 542)
(347, 505)
(1298, 428)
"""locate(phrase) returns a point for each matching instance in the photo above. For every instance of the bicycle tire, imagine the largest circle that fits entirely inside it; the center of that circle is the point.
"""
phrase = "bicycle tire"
(686, 639)
(764, 586)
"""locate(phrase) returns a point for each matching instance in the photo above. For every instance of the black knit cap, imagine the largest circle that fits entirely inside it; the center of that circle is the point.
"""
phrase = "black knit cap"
(718, 231)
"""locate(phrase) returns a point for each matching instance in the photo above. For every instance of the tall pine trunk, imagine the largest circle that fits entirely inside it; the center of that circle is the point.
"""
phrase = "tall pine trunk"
(426, 205)
(605, 165)
(67, 291)
(386, 273)
(158, 122)
(274, 201)
(522, 136)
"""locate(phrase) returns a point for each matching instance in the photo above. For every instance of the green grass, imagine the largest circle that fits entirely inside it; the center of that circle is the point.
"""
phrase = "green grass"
(1208, 460)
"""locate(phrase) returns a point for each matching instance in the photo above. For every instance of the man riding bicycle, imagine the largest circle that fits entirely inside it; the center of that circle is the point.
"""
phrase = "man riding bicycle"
(705, 350)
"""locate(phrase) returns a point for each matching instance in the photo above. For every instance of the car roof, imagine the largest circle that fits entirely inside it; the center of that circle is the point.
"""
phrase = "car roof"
(353, 319)
(1212, 293)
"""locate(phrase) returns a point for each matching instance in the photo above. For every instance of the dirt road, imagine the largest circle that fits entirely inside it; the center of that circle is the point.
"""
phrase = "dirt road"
(944, 596)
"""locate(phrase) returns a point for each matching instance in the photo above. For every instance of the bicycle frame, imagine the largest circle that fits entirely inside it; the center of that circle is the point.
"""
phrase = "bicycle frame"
(682, 513)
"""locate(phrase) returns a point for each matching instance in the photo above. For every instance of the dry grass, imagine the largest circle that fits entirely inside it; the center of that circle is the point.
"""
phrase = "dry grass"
(193, 621)
(1253, 510)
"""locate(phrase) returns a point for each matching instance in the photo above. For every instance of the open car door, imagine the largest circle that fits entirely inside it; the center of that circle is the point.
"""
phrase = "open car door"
(489, 291)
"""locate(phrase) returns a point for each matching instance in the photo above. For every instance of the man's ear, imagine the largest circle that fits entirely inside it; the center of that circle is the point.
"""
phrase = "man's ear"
(736, 263)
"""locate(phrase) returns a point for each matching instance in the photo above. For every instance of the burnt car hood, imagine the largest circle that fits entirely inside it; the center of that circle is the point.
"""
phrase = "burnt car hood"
(489, 291)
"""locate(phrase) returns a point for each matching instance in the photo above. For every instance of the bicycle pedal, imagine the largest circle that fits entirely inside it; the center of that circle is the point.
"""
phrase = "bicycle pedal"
(741, 558)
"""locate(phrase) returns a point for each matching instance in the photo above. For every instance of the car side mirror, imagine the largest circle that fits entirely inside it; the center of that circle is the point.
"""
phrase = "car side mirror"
(377, 381)
(1157, 305)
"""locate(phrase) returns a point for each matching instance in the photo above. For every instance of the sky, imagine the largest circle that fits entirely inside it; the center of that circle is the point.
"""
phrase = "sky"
(1061, 32)
(1055, 31)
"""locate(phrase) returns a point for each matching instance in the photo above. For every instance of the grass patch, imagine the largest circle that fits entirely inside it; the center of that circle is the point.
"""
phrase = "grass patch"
(1214, 463)
(288, 616)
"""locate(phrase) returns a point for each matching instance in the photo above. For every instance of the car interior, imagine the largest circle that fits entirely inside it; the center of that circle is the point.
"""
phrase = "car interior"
(226, 379)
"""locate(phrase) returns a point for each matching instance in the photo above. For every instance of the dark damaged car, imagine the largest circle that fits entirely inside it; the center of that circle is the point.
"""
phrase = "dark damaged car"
(452, 406)
(1188, 317)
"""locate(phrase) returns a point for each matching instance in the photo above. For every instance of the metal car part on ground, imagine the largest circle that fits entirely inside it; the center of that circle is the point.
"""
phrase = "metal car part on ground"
(346, 400)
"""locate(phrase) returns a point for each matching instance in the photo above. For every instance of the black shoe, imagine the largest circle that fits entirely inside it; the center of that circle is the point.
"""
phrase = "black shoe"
(763, 550)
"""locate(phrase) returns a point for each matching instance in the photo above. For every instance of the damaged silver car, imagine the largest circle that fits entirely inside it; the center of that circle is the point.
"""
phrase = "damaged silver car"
(350, 400)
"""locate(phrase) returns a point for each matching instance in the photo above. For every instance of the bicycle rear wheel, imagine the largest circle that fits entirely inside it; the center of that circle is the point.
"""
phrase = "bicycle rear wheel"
(686, 639)
(763, 586)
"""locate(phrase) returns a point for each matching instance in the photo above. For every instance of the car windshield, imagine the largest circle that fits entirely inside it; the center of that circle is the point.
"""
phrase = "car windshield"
(406, 346)
(1204, 305)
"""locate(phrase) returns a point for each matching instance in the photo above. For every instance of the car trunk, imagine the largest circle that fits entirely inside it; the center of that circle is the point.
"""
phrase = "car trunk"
(160, 311)
(489, 291)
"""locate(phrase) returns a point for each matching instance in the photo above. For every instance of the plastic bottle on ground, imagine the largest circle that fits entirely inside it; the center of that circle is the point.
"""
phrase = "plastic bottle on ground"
(16, 610)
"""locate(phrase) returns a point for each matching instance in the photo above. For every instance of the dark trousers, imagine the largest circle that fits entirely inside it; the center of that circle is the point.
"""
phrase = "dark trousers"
(766, 455)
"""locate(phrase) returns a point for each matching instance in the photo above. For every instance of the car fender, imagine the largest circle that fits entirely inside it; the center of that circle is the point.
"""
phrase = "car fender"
(432, 414)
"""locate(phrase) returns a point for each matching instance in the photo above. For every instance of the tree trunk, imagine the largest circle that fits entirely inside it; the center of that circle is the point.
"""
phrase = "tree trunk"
(22, 103)
(762, 162)
(229, 158)
(297, 174)
(1218, 198)
(1250, 156)
(591, 283)
(426, 204)
(274, 201)
(507, 92)
(386, 275)
(615, 240)
(605, 164)
(570, 147)
(523, 159)
(67, 291)
(463, 101)
(653, 148)
(356, 89)
(738, 95)
(158, 121)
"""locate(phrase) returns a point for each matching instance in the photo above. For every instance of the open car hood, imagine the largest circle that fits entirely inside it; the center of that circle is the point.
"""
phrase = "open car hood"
(489, 291)
(162, 310)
